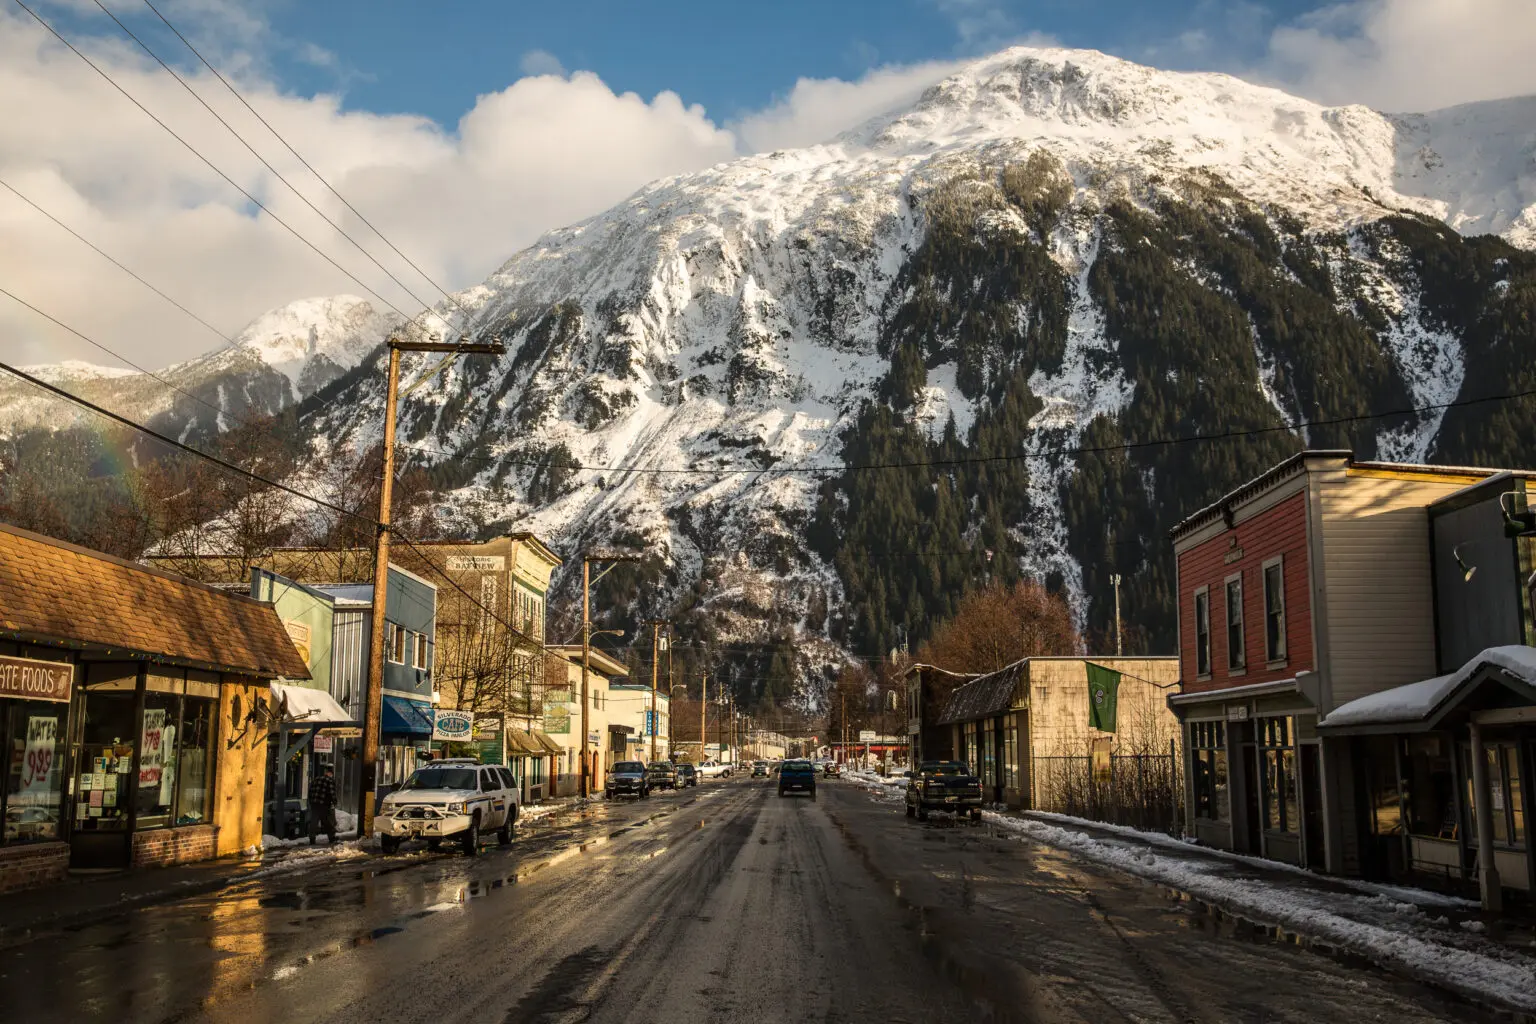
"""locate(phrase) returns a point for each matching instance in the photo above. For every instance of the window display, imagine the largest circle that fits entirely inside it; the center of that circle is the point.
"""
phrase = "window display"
(34, 787)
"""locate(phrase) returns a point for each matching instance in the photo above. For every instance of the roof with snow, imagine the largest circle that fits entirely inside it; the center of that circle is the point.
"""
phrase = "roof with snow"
(1423, 705)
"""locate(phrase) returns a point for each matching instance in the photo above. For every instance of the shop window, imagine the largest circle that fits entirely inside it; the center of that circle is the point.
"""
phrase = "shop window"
(1504, 791)
(1208, 740)
(34, 787)
(1274, 610)
(971, 760)
(192, 761)
(1237, 657)
(1430, 783)
(988, 754)
(1380, 755)
(156, 791)
(1202, 632)
(1278, 756)
(1011, 751)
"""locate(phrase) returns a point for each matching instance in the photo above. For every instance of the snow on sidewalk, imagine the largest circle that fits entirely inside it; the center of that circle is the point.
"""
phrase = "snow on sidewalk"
(1392, 926)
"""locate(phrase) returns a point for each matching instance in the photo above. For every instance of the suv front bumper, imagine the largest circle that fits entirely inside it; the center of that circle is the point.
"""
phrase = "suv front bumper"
(406, 826)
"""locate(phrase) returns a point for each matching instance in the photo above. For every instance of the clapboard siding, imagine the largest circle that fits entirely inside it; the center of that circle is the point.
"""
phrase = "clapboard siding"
(1278, 530)
(1376, 568)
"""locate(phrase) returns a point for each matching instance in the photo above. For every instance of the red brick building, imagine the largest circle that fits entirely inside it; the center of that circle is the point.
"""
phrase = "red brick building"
(1304, 589)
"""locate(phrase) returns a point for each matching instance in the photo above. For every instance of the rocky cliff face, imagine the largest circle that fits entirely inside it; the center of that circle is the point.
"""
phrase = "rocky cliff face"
(1050, 255)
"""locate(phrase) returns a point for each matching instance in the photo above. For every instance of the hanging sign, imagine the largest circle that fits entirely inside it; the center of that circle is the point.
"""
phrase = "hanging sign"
(35, 680)
(452, 726)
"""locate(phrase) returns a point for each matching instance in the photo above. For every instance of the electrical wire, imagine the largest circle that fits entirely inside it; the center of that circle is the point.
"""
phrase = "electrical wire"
(213, 167)
(976, 460)
(264, 161)
(318, 176)
(87, 242)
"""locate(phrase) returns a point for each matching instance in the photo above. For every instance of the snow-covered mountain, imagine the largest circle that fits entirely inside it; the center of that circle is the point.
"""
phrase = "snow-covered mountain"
(277, 361)
(1049, 251)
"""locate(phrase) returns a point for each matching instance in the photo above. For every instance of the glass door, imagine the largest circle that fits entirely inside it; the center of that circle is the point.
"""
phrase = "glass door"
(102, 787)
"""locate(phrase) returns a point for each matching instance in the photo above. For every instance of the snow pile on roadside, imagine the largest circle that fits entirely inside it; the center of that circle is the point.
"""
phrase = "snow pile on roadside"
(537, 812)
(1390, 932)
(1405, 894)
(885, 788)
(291, 856)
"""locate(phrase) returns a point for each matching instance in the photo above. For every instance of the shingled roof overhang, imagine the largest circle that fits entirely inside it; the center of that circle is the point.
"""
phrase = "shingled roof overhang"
(984, 696)
(56, 594)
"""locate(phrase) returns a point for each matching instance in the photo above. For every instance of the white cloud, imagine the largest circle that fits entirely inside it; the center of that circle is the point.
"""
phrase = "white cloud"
(543, 152)
(541, 62)
(978, 23)
(817, 109)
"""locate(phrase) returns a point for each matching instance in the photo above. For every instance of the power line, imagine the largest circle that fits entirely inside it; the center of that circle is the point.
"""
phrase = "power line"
(264, 162)
(258, 478)
(321, 178)
(209, 163)
(86, 241)
(972, 460)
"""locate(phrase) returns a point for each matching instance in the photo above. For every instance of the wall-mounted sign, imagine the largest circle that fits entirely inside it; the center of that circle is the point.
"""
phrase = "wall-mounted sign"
(452, 726)
(866, 735)
(557, 719)
(35, 680)
(342, 732)
(477, 563)
(1237, 712)
(488, 726)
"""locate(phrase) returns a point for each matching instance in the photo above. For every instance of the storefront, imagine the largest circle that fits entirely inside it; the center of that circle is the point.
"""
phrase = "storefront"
(1440, 769)
(132, 700)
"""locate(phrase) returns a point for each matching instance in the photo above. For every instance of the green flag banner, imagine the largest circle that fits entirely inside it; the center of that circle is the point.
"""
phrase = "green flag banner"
(1103, 688)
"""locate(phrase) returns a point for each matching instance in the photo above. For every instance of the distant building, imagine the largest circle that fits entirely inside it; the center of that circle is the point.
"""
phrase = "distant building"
(562, 718)
(647, 712)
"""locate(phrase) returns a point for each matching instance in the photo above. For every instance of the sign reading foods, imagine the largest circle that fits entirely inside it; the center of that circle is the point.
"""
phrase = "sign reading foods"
(35, 680)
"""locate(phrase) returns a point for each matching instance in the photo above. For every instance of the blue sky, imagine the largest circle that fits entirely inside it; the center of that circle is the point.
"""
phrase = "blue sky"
(435, 58)
(467, 128)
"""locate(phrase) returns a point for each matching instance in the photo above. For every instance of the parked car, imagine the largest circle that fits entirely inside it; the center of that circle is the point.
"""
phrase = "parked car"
(687, 775)
(627, 778)
(832, 769)
(799, 776)
(452, 797)
(943, 786)
(662, 775)
(714, 770)
(759, 769)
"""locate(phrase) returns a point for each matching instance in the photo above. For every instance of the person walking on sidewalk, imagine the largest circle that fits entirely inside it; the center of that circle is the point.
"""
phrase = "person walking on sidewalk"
(322, 805)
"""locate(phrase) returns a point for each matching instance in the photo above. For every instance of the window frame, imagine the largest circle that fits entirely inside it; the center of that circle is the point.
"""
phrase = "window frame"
(419, 652)
(1240, 665)
(1279, 775)
(1276, 646)
(1208, 747)
(1202, 646)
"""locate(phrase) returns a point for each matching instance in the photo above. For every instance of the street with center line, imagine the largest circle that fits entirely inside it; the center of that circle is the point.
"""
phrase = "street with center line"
(722, 903)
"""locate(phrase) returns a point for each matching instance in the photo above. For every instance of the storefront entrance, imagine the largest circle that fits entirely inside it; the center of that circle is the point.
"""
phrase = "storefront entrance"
(103, 761)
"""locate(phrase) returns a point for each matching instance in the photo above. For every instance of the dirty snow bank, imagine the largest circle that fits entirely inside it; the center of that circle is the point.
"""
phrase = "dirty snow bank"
(1386, 930)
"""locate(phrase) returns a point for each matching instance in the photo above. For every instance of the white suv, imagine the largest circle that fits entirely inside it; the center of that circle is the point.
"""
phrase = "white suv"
(452, 797)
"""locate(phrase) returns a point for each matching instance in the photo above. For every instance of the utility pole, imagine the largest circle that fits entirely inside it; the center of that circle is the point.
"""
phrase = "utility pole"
(703, 708)
(586, 648)
(844, 729)
(656, 625)
(373, 714)
(1115, 581)
(671, 708)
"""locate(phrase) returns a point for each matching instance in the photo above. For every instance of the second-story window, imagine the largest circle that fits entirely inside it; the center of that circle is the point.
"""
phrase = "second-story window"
(1237, 656)
(394, 642)
(420, 654)
(1202, 632)
(1274, 610)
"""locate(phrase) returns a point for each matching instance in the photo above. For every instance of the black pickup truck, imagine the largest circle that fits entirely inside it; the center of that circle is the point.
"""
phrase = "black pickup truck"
(942, 786)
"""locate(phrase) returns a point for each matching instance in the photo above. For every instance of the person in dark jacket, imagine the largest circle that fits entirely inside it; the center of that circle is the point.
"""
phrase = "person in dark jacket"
(322, 804)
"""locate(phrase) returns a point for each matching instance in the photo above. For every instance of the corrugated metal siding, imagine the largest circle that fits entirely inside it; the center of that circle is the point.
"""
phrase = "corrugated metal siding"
(1376, 568)
(1281, 530)
(349, 659)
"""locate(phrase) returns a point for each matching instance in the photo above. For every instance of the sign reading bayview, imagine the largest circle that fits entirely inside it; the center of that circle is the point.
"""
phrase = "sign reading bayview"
(454, 726)
(35, 680)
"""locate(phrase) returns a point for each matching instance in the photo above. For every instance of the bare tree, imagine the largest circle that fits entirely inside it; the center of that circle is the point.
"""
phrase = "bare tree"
(998, 625)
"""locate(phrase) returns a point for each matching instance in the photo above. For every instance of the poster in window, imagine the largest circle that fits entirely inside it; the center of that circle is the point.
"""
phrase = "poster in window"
(149, 751)
(37, 759)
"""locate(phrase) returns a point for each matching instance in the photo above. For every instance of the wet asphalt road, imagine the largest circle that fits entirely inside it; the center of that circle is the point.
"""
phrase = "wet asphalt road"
(721, 904)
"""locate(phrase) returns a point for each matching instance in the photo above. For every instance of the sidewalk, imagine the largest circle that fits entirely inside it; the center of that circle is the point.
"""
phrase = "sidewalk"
(1433, 938)
(1442, 940)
